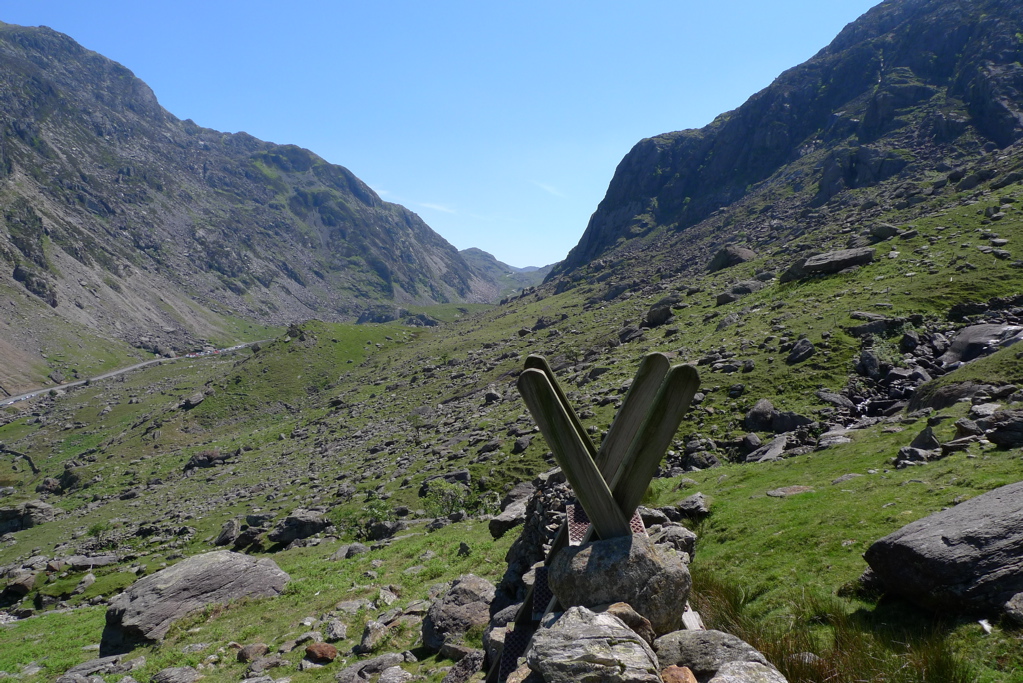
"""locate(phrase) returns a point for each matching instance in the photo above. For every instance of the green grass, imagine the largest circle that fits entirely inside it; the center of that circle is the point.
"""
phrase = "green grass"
(55, 642)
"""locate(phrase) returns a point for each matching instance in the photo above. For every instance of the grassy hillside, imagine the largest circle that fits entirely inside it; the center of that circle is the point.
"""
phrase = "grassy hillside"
(352, 419)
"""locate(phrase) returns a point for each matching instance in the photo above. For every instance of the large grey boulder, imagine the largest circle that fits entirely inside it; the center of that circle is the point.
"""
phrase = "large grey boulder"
(770, 451)
(966, 558)
(25, 516)
(513, 510)
(705, 652)
(465, 668)
(585, 646)
(146, 611)
(1005, 428)
(299, 524)
(827, 264)
(739, 290)
(465, 605)
(176, 674)
(979, 340)
(801, 351)
(837, 261)
(362, 671)
(730, 255)
(631, 569)
(759, 417)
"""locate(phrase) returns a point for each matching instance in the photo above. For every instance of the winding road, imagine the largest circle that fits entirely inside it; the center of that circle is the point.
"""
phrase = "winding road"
(121, 371)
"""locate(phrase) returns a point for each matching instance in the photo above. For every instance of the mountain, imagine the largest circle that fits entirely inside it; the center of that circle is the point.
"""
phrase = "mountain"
(912, 87)
(510, 279)
(132, 225)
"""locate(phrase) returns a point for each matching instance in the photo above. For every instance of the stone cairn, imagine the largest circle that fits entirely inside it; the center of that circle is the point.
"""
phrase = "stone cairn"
(607, 602)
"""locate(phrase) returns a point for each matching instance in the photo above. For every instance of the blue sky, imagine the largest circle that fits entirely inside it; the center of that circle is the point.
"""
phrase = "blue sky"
(499, 123)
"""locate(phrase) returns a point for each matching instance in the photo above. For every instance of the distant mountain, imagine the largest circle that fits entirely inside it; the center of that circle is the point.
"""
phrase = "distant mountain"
(913, 86)
(508, 278)
(132, 224)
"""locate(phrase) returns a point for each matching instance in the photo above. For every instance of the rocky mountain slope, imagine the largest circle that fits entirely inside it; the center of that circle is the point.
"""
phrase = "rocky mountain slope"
(123, 222)
(912, 88)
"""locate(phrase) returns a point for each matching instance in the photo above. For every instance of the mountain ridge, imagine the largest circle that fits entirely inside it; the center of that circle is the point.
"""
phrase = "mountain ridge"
(137, 227)
(848, 94)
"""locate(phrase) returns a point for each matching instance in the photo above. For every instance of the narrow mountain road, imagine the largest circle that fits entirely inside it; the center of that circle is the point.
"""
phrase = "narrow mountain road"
(121, 371)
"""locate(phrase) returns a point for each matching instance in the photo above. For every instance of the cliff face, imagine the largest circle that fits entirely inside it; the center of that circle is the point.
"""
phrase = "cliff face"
(127, 220)
(911, 79)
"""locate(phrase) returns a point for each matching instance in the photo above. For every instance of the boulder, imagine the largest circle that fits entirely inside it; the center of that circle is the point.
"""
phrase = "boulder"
(968, 558)
(628, 569)
(837, 400)
(206, 458)
(1005, 428)
(677, 537)
(395, 674)
(513, 510)
(926, 440)
(782, 422)
(694, 507)
(584, 646)
(730, 255)
(228, 533)
(836, 261)
(25, 516)
(883, 231)
(321, 652)
(299, 524)
(979, 340)
(465, 668)
(360, 672)
(145, 611)
(252, 652)
(104, 666)
(739, 290)
(192, 401)
(657, 316)
(466, 604)
(176, 674)
(705, 652)
(770, 451)
(457, 477)
(759, 417)
(631, 618)
(802, 350)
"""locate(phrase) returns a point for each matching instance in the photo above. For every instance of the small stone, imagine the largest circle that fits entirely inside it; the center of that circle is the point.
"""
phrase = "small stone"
(251, 652)
(336, 630)
(321, 652)
(678, 674)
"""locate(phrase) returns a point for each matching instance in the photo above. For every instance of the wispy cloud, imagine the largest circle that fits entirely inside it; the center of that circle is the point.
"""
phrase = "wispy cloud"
(438, 207)
(550, 189)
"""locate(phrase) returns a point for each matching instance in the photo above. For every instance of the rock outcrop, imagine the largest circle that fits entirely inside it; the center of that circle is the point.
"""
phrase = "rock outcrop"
(145, 611)
(968, 558)
(465, 605)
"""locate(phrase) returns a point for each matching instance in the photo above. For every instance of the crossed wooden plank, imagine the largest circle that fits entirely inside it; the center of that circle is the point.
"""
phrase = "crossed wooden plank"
(608, 482)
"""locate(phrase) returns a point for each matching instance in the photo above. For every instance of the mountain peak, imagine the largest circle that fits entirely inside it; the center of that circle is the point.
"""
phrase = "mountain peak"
(953, 65)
